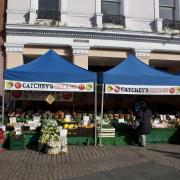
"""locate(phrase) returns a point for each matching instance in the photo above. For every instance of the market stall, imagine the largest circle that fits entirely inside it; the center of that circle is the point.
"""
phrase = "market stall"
(50, 73)
(134, 77)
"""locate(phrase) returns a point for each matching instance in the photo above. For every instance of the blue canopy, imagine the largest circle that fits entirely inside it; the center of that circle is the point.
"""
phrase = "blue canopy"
(133, 71)
(50, 67)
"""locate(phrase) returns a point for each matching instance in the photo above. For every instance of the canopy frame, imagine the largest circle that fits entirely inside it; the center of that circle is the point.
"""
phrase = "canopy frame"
(51, 61)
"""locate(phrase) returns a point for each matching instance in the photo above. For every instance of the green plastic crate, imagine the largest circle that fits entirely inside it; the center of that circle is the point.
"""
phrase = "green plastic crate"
(17, 143)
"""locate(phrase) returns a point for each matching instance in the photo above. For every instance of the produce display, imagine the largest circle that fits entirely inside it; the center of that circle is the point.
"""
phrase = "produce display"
(111, 118)
(60, 116)
(166, 121)
(116, 120)
(49, 125)
(50, 136)
(20, 122)
(50, 131)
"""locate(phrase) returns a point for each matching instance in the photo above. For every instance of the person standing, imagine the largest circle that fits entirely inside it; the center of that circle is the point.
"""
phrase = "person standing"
(143, 115)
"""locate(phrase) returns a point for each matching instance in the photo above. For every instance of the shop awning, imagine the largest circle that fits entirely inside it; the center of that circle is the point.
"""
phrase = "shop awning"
(50, 67)
(133, 71)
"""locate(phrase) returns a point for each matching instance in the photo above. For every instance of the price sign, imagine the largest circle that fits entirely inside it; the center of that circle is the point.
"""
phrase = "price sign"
(37, 118)
(85, 120)
(12, 120)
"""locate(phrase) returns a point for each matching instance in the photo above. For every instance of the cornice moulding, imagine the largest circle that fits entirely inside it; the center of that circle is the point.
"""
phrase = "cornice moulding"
(92, 34)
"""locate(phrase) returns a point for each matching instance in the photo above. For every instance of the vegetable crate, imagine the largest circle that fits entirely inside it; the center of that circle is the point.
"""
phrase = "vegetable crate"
(17, 143)
(106, 132)
(85, 131)
(72, 132)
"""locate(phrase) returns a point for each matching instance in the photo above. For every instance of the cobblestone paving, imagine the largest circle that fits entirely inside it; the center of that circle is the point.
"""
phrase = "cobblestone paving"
(83, 160)
(165, 154)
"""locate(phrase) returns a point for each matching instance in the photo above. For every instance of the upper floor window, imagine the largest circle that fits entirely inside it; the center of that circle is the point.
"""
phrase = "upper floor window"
(167, 13)
(111, 7)
(167, 9)
(48, 9)
(111, 12)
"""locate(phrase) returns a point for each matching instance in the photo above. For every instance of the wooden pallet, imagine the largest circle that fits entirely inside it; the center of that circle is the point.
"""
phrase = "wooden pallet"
(107, 132)
(107, 135)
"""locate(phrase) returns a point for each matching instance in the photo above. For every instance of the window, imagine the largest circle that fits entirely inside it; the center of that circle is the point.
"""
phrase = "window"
(48, 9)
(111, 7)
(167, 13)
(167, 9)
(51, 5)
(111, 12)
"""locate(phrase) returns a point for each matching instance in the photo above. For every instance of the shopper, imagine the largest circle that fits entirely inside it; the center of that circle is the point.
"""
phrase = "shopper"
(143, 115)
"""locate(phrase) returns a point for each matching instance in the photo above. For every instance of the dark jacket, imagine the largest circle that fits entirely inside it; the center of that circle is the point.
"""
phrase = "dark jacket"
(144, 116)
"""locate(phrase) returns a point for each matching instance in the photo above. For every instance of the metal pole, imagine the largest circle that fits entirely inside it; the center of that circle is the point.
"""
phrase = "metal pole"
(73, 101)
(95, 113)
(3, 94)
(102, 106)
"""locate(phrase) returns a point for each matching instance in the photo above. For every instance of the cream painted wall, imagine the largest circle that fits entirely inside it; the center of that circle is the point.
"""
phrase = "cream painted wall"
(173, 60)
(14, 59)
(141, 9)
(81, 6)
(40, 51)
(140, 15)
(165, 56)
(18, 4)
(80, 13)
(18, 11)
(144, 59)
(68, 52)
(17, 17)
(108, 53)
(81, 60)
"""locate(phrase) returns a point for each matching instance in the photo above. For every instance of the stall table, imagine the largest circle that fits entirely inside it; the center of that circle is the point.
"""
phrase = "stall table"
(157, 135)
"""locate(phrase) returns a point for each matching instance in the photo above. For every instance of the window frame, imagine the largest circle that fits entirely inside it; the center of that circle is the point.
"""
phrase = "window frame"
(116, 18)
(46, 13)
(112, 1)
(168, 7)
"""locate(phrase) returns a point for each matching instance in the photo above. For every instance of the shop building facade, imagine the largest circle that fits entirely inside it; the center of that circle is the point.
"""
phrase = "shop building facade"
(95, 34)
(2, 39)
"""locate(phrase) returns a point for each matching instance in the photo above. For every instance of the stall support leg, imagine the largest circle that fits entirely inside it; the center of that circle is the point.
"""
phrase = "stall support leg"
(95, 114)
(3, 94)
(102, 106)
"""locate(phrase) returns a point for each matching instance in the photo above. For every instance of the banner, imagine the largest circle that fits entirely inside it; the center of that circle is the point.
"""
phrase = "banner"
(141, 90)
(44, 86)
(41, 95)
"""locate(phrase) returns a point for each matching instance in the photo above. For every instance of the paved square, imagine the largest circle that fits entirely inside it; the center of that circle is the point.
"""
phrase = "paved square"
(91, 161)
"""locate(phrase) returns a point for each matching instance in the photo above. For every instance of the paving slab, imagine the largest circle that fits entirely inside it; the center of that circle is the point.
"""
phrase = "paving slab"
(144, 171)
(90, 161)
